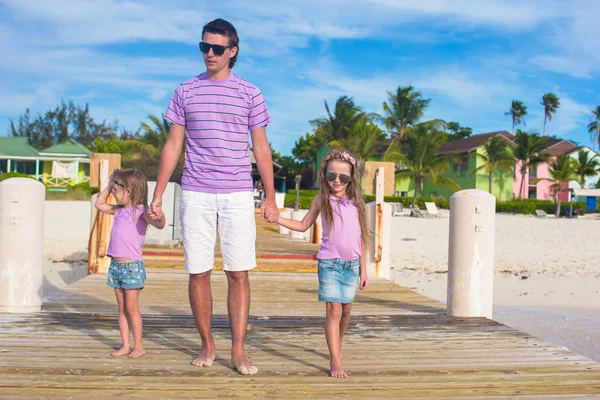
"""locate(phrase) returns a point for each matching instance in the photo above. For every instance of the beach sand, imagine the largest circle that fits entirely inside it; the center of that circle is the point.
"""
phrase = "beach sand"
(547, 275)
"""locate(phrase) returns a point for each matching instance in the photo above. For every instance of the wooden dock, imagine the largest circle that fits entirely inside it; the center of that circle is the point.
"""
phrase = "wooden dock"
(399, 344)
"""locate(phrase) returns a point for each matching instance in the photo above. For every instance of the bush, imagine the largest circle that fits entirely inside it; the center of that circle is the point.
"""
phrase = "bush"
(528, 206)
(406, 201)
(7, 175)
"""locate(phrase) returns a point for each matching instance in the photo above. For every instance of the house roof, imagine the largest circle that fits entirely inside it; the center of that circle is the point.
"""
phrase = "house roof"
(472, 142)
(69, 148)
(558, 147)
(16, 147)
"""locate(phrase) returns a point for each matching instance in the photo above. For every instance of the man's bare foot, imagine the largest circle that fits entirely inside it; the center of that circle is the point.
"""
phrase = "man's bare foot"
(204, 360)
(123, 351)
(336, 370)
(243, 367)
(137, 352)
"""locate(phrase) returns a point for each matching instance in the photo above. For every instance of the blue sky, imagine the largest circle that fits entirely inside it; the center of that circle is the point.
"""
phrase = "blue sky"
(471, 58)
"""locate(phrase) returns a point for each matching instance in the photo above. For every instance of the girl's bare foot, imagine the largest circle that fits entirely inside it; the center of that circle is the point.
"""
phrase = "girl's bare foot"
(123, 351)
(336, 371)
(137, 352)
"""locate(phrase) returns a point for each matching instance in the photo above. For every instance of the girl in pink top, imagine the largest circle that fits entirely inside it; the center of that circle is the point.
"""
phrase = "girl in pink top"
(341, 257)
(127, 272)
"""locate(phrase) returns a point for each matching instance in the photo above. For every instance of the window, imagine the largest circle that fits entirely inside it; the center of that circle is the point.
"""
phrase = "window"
(532, 193)
(532, 173)
(461, 167)
(404, 194)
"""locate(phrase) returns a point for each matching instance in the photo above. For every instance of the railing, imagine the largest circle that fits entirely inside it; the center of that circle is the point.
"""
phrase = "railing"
(54, 181)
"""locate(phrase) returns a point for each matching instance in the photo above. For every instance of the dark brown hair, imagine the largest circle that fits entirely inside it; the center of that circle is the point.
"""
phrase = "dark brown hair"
(224, 28)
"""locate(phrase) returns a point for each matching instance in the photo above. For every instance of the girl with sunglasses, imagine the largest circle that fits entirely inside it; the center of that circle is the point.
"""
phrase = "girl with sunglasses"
(342, 266)
(127, 273)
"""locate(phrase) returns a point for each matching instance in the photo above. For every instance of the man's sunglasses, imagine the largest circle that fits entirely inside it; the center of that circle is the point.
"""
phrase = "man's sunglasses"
(331, 176)
(216, 48)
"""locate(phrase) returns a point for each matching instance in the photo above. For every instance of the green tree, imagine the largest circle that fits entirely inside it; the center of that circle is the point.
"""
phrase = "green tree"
(156, 135)
(498, 155)
(363, 142)
(338, 124)
(585, 166)
(551, 103)
(562, 170)
(594, 127)
(404, 108)
(457, 132)
(517, 112)
(306, 146)
(529, 151)
(419, 159)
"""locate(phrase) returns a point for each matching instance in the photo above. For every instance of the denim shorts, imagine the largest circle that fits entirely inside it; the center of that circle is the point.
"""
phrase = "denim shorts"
(338, 280)
(129, 275)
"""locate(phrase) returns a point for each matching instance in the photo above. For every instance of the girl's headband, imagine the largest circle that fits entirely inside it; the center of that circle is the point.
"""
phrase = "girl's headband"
(341, 154)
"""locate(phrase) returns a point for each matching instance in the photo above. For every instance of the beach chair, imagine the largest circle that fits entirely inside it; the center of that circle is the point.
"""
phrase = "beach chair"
(416, 212)
(399, 211)
(542, 214)
(432, 209)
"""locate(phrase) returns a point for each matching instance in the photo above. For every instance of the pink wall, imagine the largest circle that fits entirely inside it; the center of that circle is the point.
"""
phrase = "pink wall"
(543, 187)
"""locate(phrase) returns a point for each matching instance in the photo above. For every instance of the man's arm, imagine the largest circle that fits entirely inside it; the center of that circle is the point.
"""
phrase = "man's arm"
(264, 162)
(169, 157)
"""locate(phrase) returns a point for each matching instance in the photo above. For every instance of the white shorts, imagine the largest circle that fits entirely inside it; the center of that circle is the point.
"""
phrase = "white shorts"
(233, 214)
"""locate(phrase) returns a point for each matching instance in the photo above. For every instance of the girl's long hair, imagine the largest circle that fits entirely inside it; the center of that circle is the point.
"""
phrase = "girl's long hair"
(353, 192)
(136, 184)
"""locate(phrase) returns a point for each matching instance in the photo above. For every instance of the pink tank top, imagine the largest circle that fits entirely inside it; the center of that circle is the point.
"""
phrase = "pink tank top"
(128, 234)
(344, 241)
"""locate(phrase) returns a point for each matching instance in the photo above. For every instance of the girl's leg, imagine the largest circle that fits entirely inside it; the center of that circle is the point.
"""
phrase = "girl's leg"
(344, 320)
(131, 306)
(123, 324)
(332, 335)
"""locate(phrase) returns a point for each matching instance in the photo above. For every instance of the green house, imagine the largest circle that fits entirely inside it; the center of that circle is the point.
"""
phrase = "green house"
(65, 164)
(463, 170)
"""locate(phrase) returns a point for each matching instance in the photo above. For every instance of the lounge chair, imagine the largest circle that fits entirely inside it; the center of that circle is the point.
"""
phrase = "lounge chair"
(432, 209)
(542, 214)
(398, 210)
(416, 212)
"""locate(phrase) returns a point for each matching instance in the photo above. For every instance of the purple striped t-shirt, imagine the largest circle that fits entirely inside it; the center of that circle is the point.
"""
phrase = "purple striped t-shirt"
(217, 116)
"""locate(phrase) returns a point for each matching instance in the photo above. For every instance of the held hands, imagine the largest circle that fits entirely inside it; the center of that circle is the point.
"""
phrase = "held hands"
(155, 212)
(269, 211)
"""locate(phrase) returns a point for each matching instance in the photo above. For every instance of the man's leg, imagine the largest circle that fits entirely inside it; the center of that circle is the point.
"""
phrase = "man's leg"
(238, 308)
(201, 303)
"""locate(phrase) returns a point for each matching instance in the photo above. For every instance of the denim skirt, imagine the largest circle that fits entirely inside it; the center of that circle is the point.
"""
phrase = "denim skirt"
(338, 280)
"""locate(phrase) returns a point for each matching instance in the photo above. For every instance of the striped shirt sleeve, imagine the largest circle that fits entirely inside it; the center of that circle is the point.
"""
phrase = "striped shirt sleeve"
(259, 115)
(175, 112)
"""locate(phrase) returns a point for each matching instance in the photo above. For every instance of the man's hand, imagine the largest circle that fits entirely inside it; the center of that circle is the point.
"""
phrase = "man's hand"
(155, 212)
(269, 211)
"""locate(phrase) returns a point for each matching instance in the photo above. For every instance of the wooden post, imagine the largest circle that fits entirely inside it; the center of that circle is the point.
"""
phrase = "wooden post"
(98, 260)
(471, 254)
(379, 215)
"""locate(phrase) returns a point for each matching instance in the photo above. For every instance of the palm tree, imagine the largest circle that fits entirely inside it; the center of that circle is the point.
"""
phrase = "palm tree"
(363, 142)
(344, 118)
(405, 108)
(419, 157)
(157, 136)
(594, 127)
(498, 155)
(585, 166)
(529, 150)
(562, 170)
(551, 103)
(517, 112)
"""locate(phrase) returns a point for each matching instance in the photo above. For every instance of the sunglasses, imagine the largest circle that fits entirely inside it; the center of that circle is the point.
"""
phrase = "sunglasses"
(332, 176)
(217, 49)
(118, 184)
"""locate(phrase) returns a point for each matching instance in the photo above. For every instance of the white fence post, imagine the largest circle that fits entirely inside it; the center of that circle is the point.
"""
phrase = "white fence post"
(22, 205)
(379, 215)
(471, 254)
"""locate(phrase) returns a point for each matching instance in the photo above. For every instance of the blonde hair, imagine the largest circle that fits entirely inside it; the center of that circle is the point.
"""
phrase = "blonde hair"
(353, 192)
(136, 184)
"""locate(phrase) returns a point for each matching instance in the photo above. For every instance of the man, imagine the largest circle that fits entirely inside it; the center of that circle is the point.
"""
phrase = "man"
(216, 109)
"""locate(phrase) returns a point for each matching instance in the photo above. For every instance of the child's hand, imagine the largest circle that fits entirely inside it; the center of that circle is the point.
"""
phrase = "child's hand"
(364, 281)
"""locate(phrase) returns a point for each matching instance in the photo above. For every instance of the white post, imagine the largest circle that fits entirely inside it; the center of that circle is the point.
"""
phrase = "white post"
(8, 165)
(22, 204)
(287, 213)
(379, 215)
(298, 216)
(471, 254)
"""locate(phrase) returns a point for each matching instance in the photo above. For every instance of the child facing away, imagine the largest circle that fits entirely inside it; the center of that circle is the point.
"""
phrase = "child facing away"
(341, 257)
(127, 272)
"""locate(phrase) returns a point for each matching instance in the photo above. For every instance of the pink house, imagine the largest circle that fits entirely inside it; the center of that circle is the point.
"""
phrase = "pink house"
(541, 190)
